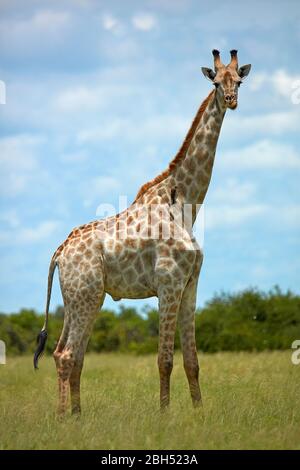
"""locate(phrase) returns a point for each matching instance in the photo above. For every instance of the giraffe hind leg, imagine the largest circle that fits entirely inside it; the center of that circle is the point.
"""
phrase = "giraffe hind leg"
(77, 368)
(167, 327)
(81, 308)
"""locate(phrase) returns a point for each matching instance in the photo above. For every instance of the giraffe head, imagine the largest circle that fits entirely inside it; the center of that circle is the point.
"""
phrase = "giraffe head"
(227, 78)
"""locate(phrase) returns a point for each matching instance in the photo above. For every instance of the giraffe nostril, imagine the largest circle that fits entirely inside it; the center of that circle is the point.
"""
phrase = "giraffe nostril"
(229, 98)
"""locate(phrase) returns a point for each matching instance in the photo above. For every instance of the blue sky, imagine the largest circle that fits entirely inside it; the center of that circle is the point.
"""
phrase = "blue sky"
(100, 96)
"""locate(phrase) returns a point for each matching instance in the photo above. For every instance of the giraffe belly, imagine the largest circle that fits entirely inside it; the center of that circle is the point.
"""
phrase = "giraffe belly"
(129, 292)
(129, 276)
(124, 286)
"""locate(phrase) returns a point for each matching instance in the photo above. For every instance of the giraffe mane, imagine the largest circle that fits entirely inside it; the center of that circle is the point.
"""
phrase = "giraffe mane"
(181, 152)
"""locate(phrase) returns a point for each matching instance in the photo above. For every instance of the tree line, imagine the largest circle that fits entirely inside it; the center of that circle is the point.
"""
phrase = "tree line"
(251, 320)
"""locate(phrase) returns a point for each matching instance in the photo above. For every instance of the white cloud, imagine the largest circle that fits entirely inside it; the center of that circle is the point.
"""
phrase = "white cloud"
(153, 127)
(89, 96)
(275, 123)
(10, 217)
(111, 23)
(289, 215)
(144, 21)
(96, 189)
(231, 215)
(279, 80)
(260, 272)
(282, 83)
(43, 24)
(262, 154)
(27, 235)
(124, 49)
(232, 191)
(76, 99)
(46, 21)
(74, 157)
(17, 152)
(257, 80)
(236, 203)
(18, 160)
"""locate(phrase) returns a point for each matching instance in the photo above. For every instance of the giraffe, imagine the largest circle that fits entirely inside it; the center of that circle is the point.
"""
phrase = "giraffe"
(135, 254)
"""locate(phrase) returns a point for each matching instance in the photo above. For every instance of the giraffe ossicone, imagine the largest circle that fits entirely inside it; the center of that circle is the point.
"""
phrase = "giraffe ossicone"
(146, 250)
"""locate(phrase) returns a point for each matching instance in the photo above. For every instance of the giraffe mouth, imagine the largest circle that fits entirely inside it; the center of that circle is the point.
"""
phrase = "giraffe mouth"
(232, 105)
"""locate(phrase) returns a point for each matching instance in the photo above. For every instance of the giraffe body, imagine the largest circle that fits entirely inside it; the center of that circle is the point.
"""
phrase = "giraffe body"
(147, 250)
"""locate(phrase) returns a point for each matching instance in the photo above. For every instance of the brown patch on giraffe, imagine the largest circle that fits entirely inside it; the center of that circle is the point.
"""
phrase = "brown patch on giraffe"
(131, 242)
(76, 259)
(170, 242)
(75, 283)
(211, 139)
(215, 127)
(190, 165)
(143, 243)
(94, 261)
(182, 151)
(164, 251)
(209, 165)
(81, 247)
(138, 265)
(88, 241)
(88, 254)
(70, 251)
(191, 255)
(169, 317)
(143, 279)
(130, 219)
(184, 264)
(147, 258)
(118, 248)
(161, 192)
(205, 118)
(130, 275)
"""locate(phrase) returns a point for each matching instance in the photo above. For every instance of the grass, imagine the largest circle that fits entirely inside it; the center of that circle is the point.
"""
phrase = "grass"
(251, 401)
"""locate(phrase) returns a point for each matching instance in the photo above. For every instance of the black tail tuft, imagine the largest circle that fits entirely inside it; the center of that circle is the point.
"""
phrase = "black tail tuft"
(41, 342)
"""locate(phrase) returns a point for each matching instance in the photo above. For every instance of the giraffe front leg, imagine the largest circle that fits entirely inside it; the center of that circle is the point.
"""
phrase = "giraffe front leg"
(190, 357)
(169, 301)
(186, 323)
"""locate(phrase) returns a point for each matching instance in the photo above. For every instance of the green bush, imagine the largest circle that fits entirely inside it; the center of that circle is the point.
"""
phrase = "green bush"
(247, 321)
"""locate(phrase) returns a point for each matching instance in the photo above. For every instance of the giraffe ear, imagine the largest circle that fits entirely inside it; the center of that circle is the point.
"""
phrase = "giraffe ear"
(244, 70)
(209, 73)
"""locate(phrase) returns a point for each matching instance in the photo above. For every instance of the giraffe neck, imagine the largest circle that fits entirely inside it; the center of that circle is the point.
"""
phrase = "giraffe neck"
(192, 174)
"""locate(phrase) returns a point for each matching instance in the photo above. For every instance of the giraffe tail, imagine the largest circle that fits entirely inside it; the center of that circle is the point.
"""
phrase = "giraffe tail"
(42, 336)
